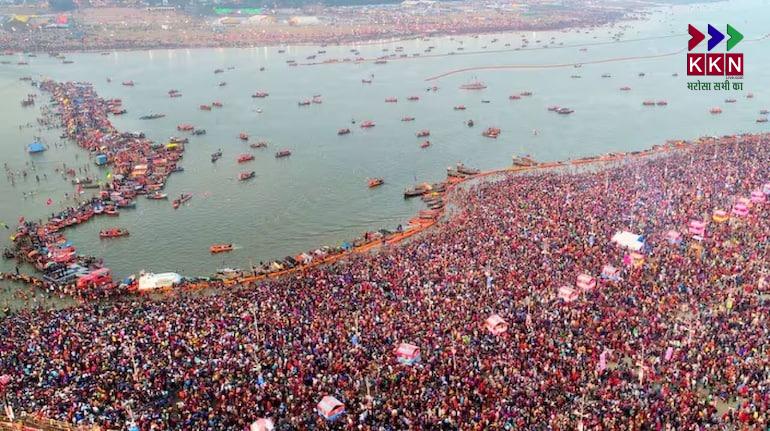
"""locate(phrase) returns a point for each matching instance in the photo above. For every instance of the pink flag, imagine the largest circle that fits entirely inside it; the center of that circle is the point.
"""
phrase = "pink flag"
(669, 353)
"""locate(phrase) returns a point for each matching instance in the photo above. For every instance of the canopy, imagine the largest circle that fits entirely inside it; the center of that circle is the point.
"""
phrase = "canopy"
(586, 282)
(496, 325)
(568, 294)
(673, 237)
(719, 216)
(610, 272)
(628, 240)
(330, 408)
(741, 210)
(407, 353)
(262, 425)
(766, 188)
(757, 197)
(35, 147)
(697, 227)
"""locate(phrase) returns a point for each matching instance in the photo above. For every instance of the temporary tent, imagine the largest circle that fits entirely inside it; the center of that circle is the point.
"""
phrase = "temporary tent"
(673, 237)
(628, 240)
(719, 216)
(496, 325)
(35, 147)
(740, 210)
(262, 425)
(407, 354)
(757, 197)
(697, 228)
(568, 294)
(609, 272)
(330, 408)
(766, 188)
(586, 282)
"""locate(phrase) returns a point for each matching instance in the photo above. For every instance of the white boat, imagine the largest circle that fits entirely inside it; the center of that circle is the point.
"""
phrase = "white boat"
(150, 281)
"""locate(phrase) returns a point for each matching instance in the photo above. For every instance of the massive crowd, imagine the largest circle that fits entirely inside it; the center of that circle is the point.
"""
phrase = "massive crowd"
(679, 341)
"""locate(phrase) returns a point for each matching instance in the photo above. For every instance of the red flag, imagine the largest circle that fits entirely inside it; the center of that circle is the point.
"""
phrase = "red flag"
(49, 201)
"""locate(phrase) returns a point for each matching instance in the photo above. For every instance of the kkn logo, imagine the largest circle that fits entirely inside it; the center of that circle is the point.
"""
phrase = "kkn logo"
(713, 63)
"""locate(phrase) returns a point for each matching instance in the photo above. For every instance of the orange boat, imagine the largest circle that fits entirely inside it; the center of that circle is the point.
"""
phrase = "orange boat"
(375, 182)
(425, 144)
(205, 108)
(492, 132)
(243, 158)
(367, 124)
(220, 248)
(243, 137)
(113, 233)
(423, 133)
(216, 104)
(185, 127)
(391, 100)
(716, 110)
(407, 119)
(460, 108)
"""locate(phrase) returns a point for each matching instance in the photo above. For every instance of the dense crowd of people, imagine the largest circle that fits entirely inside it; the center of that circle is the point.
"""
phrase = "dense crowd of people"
(678, 339)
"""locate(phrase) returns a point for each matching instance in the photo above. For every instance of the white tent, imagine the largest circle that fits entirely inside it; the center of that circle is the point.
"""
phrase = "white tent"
(628, 240)
(264, 424)
(496, 325)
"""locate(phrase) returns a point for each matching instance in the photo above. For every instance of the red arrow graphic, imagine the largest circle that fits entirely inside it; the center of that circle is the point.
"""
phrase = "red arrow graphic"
(696, 37)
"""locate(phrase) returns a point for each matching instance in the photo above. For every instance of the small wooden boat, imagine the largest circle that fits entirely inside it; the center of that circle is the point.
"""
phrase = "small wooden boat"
(216, 156)
(184, 197)
(425, 144)
(243, 158)
(157, 196)
(343, 131)
(243, 176)
(205, 108)
(216, 104)
(243, 136)
(407, 118)
(112, 233)
(282, 153)
(375, 182)
(220, 248)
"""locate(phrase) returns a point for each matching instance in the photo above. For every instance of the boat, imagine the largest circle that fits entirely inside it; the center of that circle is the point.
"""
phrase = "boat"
(661, 103)
(222, 84)
(178, 140)
(366, 81)
(152, 116)
(648, 103)
(475, 85)
(111, 211)
(491, 132)
(425, 144)
(174, 93)
(260, 144)
(407, 118)
(731, 100)
(375, 182)
(391, 100)
(112, 233)
(221, 248)
(282, 153)
(243, 158)
(626, 88)
(606, 75)
(749, 95)
(459, 108)
(185, 127)
(205, 108)
(715, 110)
(344, 131)
(367, 124)
(461, 168)
(564, 111)
(219, 70)
(305, 102)
(128, 83)
(380, 62)
(260, 94)
(413, 98)
(184, 197)
(157, 196)
(150, 281)
(486, 101)
(317, 100)
(762, 120)
(553, 108)
(469, 123)
(243, 136)
(243, 176)
(524, 161)
(525, 93)
(641, 74)
(764, 112)
(199, 132)
(216, 104)
(216, 156)
(417, 190)
(423, 133)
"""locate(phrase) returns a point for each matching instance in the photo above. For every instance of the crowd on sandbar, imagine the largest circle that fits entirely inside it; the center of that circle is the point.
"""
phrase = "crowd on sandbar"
(518, 312)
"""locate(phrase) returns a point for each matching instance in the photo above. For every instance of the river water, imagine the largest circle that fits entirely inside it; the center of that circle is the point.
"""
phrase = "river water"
(319, 195)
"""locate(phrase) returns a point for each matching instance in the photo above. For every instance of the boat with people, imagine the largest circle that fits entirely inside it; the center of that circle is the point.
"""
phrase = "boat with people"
(199, 132)
(260, 144)
(153, 116)
(375, 182)
(243, 136)
(749, 95)
(526, 93)
(423, 133)
(217, 104)
(367, 124)
(661, 103)
(475, 85)
(174, 93)
(178, 140)
(243, 176)
(219, 71)
(625, 88)
(317, 100)
(128, 83)
(407, 118)
(554, 108)
(730, 100)
(156, 196)
(491, 132)
(220, 248)
(205, 108)
(184, 197)
(111, 211)
(514, 97)
(282, 153)
(344, 131)
(245, 157)
(413, 98)
(648, 103)
(417, 190)
(764, 112)
(564, 111)
(366, 81)
(459, 108)
(112, 233)
(762, 120)
(216, 156)
(391, 100)
(606, 75)
(305, 102)
(185, 127)
(715, 110)
(260, 94)
(425, 144)
(470, 123)
(222, 84)
(524, 161)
